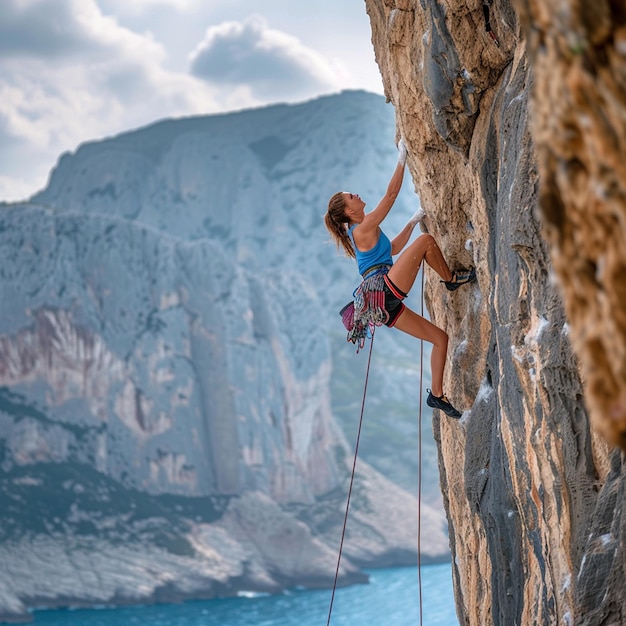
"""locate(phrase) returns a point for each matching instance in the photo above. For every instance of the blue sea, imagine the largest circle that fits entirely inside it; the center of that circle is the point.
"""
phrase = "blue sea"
(390, 599)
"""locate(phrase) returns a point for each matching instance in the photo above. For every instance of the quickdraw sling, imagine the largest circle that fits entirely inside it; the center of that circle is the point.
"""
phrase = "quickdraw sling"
(368, 307)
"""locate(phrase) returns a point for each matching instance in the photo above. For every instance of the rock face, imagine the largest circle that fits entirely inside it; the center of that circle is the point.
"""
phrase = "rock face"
(166, 419)
(579, 126)
(533, 494)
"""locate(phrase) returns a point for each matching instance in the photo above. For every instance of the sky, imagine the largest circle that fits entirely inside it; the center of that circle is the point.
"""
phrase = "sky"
(78, 70)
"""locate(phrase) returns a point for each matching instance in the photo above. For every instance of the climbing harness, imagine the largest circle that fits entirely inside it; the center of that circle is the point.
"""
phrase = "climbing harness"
(369, 297)
(356, 451)
(367, 310)
(347, 316)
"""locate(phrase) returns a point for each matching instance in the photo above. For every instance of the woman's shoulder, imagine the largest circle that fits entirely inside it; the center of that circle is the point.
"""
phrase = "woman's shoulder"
(364, 239)
(365, 227)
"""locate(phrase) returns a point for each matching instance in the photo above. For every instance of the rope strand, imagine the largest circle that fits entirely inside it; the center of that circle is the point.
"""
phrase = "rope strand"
(356, 451)
(419, 475)
(419, 464)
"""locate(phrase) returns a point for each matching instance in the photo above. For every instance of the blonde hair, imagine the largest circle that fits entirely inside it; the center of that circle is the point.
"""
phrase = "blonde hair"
(335, 220)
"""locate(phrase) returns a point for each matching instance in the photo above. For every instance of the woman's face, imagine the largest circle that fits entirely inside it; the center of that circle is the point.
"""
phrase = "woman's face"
(354, 206)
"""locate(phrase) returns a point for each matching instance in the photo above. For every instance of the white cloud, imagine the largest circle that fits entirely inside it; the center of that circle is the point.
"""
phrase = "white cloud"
(268, 62)
(15, 188)
(56, 29)
(76, 76)
(38, 27)
(70, 72)
(136, 6)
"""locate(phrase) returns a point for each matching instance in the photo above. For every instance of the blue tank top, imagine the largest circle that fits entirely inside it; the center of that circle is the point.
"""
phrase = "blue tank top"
(380, 254)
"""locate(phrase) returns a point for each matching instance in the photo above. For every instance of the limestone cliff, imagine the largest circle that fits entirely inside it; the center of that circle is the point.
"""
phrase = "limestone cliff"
(166, 414)
(527, 184)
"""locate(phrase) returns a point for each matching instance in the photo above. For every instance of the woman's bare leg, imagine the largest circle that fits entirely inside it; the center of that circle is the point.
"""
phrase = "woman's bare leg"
(415, 325)
(404, 270)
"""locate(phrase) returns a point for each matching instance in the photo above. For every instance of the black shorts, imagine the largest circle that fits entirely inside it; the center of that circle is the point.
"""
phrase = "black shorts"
(393, 301)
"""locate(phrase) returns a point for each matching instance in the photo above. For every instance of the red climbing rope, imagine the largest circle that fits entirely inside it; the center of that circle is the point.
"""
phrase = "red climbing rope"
(419, 475)
(419, 463)
(356, 451)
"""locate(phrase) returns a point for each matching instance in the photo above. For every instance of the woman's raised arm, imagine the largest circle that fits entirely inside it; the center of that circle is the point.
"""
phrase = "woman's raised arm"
(373, 219)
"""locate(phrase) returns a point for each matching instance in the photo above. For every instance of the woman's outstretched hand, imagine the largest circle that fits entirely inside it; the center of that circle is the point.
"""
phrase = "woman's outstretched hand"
(418, 216)
(402, 153)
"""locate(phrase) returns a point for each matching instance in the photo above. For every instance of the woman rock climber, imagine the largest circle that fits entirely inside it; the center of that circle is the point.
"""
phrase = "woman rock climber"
(378, 299)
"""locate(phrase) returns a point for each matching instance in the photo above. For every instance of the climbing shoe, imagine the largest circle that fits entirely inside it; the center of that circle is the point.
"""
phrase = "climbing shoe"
(460, 277)
(443, 404)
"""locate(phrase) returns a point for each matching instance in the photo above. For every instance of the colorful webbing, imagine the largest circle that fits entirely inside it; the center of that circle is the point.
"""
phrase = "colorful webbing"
(369, 305)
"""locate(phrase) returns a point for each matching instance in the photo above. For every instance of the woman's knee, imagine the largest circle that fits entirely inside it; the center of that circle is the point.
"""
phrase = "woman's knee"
(425, 241)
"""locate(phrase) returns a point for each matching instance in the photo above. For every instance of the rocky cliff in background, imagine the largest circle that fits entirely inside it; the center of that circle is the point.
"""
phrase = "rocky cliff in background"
(167, 368)
(534, 497)
(256, 184)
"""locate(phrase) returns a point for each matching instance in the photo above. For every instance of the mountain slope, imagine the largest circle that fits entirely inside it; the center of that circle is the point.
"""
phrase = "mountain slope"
(169, 342)
(257, 183)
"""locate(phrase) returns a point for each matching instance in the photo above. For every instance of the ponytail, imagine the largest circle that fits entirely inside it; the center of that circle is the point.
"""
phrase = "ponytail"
(335, 220)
